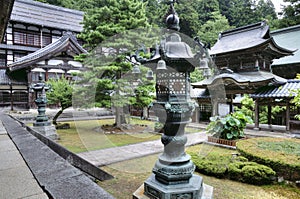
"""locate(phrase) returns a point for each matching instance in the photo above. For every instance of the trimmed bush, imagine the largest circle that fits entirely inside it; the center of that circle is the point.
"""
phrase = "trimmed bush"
(213, 165)
(281, 154)
(234, 168)
(251, 172)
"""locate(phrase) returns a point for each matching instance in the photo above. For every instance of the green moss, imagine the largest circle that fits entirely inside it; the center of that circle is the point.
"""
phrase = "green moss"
(227, 165)
(250, 172)
(281, 154)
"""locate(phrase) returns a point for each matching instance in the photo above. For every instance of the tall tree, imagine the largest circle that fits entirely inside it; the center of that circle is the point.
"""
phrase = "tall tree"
(265, 10)
(205, 8)
(239, 12)
(189, 17)
(106, 34)
(210, 31)
(291, 14)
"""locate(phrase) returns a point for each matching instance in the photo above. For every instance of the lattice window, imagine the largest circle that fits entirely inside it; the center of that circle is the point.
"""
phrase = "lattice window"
(177, 83)
(171, 83)
(20, 97)
(23, 37)
(47, 39)
(4, 97)
(2, 60)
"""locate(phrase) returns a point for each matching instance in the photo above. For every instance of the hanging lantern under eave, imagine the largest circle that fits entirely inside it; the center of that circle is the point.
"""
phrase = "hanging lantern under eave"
(149, 75)
(136, 70)
(203, 65)
(207, 72)
(161, 65)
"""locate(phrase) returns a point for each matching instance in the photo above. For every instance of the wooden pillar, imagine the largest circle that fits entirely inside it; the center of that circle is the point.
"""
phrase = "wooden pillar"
(270, 117)
(231, 104)
(288, 115)
(11, 97)
(215, 107)
(256, 126)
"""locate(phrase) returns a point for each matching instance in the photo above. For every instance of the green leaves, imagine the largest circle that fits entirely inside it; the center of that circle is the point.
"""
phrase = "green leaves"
(230, 127)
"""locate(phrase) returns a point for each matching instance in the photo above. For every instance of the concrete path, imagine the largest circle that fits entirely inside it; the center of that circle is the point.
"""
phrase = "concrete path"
(16, 179)
(118, 154)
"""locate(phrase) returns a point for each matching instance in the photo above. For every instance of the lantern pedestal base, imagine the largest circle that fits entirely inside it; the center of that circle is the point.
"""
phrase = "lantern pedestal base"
(195, 189)
(47, 131)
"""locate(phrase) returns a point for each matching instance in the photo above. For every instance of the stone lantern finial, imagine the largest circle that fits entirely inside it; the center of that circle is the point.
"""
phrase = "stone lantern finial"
(172, 19)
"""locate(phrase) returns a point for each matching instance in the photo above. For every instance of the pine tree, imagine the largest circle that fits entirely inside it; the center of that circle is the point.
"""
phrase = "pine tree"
(111, 33)
(209, 31)
(291, 14)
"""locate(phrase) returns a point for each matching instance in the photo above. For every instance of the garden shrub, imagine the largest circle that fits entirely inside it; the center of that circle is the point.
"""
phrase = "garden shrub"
(230, 127)
(238, 168)
(281, 154)
(210, 165)
(251, 172)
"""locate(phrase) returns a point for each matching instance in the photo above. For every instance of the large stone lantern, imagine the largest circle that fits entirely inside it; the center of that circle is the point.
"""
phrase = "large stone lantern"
(42, 123)
(172, 176)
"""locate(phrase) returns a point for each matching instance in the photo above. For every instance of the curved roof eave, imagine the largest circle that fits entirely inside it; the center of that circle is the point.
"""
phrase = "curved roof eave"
(242, 78)
(45, 53)
(282, 50)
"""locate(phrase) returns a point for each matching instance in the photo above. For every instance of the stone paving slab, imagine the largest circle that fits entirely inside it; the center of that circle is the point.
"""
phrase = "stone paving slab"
(56, 175)
(118, 154)
(16, 180)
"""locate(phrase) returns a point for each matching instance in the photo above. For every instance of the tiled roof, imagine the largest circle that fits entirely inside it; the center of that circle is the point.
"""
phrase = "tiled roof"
(283, 91)
(68, 40)
(5, 10)
(244, 38)
(288, 38)
(243, 78)
(200, 93)
(17, 47)
(33, 12)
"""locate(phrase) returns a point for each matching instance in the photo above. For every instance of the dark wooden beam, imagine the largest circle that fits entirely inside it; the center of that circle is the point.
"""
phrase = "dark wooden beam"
(288, 116)
(256, 125)
(5, 11)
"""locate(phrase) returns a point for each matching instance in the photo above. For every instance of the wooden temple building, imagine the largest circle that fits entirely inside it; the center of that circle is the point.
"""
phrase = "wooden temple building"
(243, 60)
(37, 43)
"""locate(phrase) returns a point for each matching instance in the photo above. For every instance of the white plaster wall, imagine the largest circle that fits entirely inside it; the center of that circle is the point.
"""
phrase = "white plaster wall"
(75, 64)
(55, 62)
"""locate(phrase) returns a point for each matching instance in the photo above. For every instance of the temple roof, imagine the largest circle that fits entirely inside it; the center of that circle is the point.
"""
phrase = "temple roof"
(259, 78)
(5, 11)
(288, 38)
(247, 37)
(46, 15)
(283, 91)
(67, 43)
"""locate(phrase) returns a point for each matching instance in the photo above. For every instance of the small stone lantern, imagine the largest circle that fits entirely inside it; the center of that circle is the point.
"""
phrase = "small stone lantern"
(40, 90)
(42, 123)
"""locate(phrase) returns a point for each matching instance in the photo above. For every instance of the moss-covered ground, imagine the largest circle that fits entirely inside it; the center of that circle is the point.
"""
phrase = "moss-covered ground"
(129, 175)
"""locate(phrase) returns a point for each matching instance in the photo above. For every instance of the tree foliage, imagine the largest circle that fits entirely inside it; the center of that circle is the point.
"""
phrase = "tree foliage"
(112, 33)
(291, 14)
(61, 94)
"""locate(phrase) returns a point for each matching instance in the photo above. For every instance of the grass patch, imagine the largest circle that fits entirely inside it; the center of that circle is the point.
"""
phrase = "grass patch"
(130, 175)
(83, 136)
(281, 154)
(224, 163)
(284, 146)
